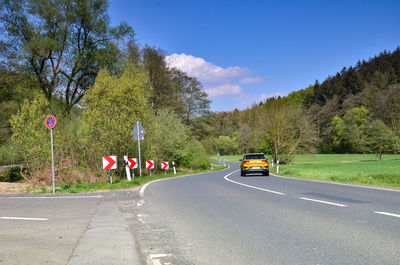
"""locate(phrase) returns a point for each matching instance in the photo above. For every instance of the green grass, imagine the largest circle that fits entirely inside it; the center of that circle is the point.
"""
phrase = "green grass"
(118, 185)
(354, 168)
(231, 158)
(345, 168)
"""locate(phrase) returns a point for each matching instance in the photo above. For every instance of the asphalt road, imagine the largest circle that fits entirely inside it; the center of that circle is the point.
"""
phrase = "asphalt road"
(73, 229)
(217, 218)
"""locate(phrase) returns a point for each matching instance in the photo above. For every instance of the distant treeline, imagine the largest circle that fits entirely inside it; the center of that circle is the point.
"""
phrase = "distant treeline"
(355, 111)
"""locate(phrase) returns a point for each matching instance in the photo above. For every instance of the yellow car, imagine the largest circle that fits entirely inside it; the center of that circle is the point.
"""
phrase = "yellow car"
(255, 162)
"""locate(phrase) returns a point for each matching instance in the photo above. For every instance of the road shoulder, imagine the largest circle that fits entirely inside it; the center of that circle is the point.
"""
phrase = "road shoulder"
(109, 238)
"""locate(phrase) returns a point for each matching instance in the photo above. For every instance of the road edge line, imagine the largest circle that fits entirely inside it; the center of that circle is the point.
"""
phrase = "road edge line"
(336, 183)
(249, 186)
(388, 214)
(143, 188)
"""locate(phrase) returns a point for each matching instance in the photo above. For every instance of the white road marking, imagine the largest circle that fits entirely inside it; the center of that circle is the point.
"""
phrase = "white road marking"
(139, 203)
(23, 218)
(325, 202)
(389, 214)
(157, 256)
(56, 197)
(336, 183)
(154, 258)
(249, 186)
(143, 188)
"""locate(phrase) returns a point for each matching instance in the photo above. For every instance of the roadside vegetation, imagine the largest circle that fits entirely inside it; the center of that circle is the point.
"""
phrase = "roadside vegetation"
(119, 184)
(97, 82)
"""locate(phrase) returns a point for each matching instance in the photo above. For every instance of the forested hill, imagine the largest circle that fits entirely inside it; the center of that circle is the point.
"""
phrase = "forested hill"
(372, 84)
(337, 114)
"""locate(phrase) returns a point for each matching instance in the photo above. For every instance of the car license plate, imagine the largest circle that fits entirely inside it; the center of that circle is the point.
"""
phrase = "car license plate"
(256, 167)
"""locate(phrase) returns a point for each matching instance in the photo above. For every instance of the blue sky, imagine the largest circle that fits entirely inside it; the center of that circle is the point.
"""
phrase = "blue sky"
(246, 51)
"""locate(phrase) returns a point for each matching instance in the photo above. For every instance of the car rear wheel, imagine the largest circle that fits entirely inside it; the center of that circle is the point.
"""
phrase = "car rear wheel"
(266, 173)
(242, 173)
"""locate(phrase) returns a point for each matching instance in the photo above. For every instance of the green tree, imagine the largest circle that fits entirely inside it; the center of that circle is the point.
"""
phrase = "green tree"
(31, 135)
(194, 155)
(285, 130)
(164, 91)
(166, 137)
(63, 43)
(225, 145)
(348, 130)
(379, 138)
(190, 95)
(110, 111)
(14, 89)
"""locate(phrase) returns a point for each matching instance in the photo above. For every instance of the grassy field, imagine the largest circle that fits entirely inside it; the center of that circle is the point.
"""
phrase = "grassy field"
(346, 168)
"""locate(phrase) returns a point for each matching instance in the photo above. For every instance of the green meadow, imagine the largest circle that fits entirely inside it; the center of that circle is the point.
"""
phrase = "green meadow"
(346, 168)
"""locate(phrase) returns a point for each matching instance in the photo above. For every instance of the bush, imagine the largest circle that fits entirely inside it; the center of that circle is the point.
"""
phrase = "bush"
(11, 174)
(9, 154)
(30, 134)
(166, 137)
(195, 156)
(111, 108)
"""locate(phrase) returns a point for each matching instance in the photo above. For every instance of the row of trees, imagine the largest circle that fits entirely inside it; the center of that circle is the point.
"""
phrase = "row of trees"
(355, 111)
(63, 58)
(275, 128)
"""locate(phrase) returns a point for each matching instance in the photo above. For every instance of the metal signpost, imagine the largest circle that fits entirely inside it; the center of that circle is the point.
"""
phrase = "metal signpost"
(50, 123)
(149, 165)
(165, 166)
(138, 134)
(110, 162)
(132, 163)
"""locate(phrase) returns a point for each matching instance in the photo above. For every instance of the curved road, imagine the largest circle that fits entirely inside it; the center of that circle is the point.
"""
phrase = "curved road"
(222, 218)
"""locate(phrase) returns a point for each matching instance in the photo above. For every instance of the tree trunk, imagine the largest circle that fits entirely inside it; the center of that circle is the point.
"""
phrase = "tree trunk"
(380, 155)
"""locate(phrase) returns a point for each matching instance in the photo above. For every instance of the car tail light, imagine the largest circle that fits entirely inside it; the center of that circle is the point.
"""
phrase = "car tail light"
(264, 161)
(246, 161)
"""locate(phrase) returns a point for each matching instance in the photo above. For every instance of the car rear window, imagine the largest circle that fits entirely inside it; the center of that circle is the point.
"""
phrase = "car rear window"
(254, 157)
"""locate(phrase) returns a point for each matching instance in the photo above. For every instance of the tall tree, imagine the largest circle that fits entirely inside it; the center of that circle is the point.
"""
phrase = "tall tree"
(348, 130)
(379, 138)
(64, 43)
(163, 90)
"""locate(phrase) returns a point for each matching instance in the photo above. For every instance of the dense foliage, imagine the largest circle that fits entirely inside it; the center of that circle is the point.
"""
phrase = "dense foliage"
(64, 58)
(341, 115)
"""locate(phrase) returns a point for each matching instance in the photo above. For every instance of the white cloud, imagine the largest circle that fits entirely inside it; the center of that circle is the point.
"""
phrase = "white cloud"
(222, 90)
(203, 70)
(251, 80)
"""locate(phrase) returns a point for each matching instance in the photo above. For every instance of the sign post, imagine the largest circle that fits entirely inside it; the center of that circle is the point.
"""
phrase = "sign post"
(138, 134)
(277, 166)
(132, 164)
(50, 123)
(149, 165)
(128, 171)
(110, 163)
(165, 166)
(173, 166)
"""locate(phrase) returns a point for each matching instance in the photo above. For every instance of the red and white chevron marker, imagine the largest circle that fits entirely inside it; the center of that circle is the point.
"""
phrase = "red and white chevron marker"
(132, 163)
(109, 162)
(164, 165)
(149, 164)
